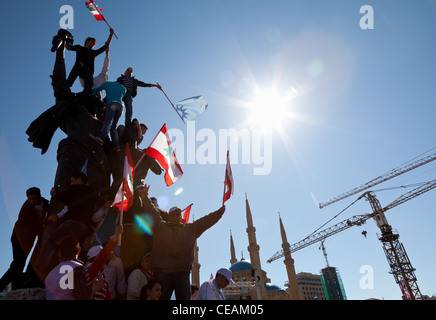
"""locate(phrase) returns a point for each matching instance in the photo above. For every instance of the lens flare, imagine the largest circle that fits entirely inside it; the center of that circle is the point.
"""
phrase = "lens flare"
(315, 68)
(178, 191)
(145, 222)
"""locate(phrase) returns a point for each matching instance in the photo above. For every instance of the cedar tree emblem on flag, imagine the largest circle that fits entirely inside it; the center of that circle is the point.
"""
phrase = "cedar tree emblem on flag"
(191, 108)
(161, 150)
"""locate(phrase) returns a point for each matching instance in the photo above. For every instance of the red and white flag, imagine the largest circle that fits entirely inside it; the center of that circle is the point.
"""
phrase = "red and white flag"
(125, 191)
(95, 10)
(185, 214)
(228, 183)
(161, 150)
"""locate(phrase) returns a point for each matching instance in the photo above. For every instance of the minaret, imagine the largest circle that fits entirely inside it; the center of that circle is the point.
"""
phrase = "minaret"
(253, 248)
(232, 251)
(289, 263)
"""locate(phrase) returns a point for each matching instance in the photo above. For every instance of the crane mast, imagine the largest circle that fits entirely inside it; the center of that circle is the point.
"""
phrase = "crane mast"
(399, 262)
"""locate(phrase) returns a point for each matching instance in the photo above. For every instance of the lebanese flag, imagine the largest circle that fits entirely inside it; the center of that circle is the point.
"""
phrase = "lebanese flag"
(229, 181)
(161, 150)
(185, 214)
(125, 192)
(95, 10)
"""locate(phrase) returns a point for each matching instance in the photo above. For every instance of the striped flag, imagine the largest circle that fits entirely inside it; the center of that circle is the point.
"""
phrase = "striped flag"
(125, 191)
(228, 183)
(185, 214)
(95, 10)
(161, 150)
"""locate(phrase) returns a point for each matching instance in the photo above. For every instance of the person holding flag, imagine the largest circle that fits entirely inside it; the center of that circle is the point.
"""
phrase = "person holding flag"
(132, 84)
(85, 57)
(173, 247)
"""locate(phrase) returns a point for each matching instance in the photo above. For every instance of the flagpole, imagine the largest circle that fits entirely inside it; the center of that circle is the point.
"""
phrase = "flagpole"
(139, 161)
(170, 102)
(110, 27)
(104, 19)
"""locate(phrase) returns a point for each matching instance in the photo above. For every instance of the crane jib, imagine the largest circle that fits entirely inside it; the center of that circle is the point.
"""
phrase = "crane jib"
(387, 176)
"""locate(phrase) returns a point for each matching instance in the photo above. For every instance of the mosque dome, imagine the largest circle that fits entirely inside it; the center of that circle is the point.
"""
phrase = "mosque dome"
(241, 266)
(270, 287)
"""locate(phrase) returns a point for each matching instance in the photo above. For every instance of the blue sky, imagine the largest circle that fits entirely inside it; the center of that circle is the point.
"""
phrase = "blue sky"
(358, 104)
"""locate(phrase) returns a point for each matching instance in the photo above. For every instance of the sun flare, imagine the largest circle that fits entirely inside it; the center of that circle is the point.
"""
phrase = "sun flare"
(268, 109)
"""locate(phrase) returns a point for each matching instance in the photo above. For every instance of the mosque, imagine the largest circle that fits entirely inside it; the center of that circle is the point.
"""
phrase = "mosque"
(251, 282)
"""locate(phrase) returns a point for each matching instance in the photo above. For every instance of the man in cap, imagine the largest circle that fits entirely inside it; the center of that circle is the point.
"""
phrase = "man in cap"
(173, 248)
(212, 289)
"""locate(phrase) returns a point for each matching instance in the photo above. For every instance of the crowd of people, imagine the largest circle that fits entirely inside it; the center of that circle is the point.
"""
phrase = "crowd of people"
(86, 249)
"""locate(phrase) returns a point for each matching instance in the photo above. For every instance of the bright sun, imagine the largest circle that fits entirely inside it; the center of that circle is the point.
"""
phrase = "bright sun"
(268, 109)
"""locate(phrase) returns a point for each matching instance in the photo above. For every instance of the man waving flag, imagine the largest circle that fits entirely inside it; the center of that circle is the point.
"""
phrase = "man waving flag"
(228, 182)
(96, 12)
(161, 150)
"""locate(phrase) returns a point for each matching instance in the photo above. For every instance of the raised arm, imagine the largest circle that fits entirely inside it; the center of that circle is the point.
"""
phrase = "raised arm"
(140, 83)
(208, 221)
(109, 40)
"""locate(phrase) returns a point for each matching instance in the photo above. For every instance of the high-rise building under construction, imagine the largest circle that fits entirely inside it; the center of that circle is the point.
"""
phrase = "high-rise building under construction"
(332, 284)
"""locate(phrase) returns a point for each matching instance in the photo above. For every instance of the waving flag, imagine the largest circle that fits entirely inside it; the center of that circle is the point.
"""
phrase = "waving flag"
(95, 10)
(228, 183)
(191, 108)
(185, 213)
(161, 150)
(125, 192)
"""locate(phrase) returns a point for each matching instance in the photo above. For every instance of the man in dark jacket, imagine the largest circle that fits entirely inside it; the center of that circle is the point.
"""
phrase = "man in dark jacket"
(29, 226)
(75, 220)
(132, 84)
(172, 253)
(85, 57)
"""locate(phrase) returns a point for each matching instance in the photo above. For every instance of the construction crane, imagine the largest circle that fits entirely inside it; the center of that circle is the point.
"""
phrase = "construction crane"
(400, 265)
(387, 176)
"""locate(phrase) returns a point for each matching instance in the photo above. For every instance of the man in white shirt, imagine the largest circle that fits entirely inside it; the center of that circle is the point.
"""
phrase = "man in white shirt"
(212, 289)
